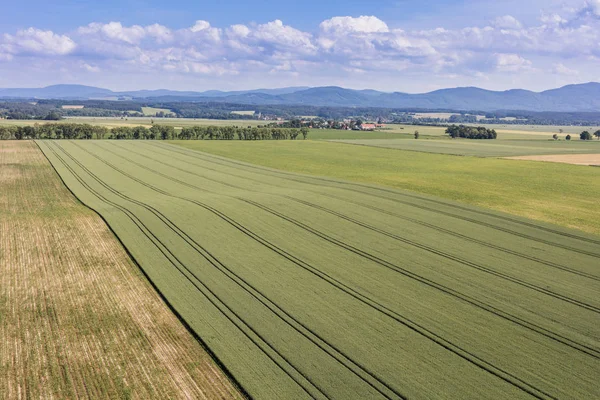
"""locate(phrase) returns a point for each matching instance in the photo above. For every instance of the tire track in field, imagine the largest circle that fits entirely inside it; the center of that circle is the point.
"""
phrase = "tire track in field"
(180, 266)
(524, 323)
(424, 247)
(216, 263)
(434, 227)
(472, 358)
(295, 177)
(415, 196)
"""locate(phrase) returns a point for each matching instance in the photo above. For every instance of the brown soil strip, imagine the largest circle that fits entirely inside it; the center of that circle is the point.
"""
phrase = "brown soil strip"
(578, 159)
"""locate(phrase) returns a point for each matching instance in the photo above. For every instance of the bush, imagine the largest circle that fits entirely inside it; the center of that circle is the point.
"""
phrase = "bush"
(471, 132)
(585, 135)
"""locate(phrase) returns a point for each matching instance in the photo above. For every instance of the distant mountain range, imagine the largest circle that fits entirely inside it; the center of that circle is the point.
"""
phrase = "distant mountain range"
(571, 98)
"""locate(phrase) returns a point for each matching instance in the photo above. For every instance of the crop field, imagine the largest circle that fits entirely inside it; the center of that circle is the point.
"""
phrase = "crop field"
(77, 317)
(152, 111)
(540, 129)
(309, 287)
(487, 148)
(561, 194)
(576, 159)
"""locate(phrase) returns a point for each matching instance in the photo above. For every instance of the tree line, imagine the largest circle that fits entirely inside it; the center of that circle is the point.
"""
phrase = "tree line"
(471, 132)
(156, 132)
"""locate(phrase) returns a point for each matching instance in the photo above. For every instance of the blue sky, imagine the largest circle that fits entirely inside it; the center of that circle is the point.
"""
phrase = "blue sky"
(399, 45)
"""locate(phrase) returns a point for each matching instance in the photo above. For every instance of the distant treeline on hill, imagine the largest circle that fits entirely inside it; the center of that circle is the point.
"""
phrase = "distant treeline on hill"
(161, 132)
(470, 132)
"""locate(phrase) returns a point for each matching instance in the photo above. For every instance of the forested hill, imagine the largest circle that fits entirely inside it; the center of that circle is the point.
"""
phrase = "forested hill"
(571, 98)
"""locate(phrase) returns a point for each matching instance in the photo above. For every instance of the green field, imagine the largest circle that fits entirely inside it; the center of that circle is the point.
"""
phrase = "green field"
(541, 129)
(309, 287)
(152, 111)
(333, 134)
(487, 148)
(556, 193)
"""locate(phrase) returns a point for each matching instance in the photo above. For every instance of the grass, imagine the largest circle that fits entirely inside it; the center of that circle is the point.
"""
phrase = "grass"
(487, 148)
(541, 129)
(77, 317)
(312, 287)
(555, 193)
(152, 111)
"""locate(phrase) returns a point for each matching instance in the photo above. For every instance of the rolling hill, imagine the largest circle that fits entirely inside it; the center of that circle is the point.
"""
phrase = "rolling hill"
(571, 98)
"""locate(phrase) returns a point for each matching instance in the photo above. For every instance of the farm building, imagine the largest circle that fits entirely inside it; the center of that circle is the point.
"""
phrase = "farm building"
(371, 127)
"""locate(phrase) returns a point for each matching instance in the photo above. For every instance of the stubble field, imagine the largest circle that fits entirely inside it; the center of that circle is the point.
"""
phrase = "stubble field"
(77, 317)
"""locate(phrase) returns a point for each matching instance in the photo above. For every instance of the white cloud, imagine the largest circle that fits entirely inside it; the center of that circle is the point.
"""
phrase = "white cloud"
(341, 46)
(114, 31)
(511, 62)
(561, 69)
(345, 25)
(35, 41)
(507, 22)
(89, 68)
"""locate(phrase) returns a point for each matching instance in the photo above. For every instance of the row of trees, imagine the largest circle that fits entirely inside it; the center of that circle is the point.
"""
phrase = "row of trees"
(241, 133)
(585, 135)
(162, 132)
(471, 132)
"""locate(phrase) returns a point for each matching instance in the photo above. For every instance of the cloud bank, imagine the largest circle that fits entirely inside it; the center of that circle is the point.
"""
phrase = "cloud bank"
(362, 51)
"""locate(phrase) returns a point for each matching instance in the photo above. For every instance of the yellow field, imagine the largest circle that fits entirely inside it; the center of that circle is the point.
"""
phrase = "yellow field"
(77, 317)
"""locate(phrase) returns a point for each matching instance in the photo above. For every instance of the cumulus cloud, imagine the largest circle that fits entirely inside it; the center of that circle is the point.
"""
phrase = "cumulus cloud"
(511, 62)
(37, 42)
(561, 69)
(507, 22)
(114, 31)
(345, 25)
(355, 45)
(89, 68)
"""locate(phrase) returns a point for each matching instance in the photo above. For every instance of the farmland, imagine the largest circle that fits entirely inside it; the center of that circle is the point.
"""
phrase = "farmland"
(487, 148)
(152, 111)
(77, 317)
(318, 287)
(560, 194)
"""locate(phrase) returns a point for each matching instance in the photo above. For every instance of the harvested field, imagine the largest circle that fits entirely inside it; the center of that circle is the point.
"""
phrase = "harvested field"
(77, 317)
(484, 148)
(309, 287)
(577, 159)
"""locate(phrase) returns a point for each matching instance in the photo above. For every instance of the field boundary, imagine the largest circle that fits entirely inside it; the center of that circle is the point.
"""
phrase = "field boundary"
(188, 328)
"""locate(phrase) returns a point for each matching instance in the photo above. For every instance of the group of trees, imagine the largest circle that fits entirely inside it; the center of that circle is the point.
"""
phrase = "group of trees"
(586, 135)
(471, 132)
(162, 132)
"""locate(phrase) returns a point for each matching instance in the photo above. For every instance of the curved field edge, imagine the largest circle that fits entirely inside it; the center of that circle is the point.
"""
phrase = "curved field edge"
(77, 318)
(109, 159)
(557, 194)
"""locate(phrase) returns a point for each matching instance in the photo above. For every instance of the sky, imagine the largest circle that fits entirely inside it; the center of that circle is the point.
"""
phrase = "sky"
(390, 45)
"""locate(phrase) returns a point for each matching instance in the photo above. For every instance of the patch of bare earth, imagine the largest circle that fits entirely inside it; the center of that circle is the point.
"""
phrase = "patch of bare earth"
(577, 159)
(77, 318)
